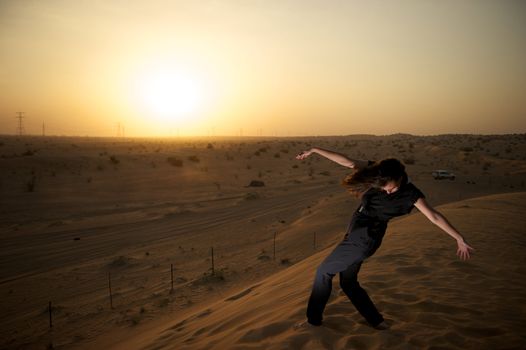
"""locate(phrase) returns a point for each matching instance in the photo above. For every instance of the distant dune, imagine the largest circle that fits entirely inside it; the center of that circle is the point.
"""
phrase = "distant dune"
(433, 299)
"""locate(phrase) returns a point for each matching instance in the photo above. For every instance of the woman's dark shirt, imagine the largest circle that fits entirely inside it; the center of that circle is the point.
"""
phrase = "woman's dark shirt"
(380, 205)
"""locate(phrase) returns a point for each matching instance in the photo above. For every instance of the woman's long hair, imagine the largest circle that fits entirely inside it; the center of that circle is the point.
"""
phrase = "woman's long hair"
(376, 175)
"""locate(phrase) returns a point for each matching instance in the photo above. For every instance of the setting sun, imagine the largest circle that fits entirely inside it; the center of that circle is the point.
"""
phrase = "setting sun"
(168, 95)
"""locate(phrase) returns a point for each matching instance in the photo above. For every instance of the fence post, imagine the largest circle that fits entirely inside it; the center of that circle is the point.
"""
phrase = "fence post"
(109, 284)
(172, 274)
(274, 256)
(50, 320)
(212, 252)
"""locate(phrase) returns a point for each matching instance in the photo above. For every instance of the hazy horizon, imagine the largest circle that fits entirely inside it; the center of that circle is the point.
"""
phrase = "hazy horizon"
(264, 68)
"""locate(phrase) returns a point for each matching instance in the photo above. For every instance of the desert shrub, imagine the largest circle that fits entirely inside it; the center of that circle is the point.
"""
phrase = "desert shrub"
(120, 261)
(210, 146)
(114, 160)
(194, 159)
(467, 149)
(164, 302)
(277, 155)
(264, 257)
(285, 261)
(251, 196)
(29, 153)
(409, 160)
(216, 276)
(135, 319)
(174, 161)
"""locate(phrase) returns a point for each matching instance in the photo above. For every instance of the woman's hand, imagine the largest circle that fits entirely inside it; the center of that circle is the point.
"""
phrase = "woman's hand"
(304, 154)
(463, 249)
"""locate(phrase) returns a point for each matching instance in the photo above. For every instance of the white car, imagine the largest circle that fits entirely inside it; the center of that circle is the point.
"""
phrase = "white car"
(443, 174)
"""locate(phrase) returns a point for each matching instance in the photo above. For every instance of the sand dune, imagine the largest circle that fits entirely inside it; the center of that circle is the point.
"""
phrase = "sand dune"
(75, 209)
(433, 299)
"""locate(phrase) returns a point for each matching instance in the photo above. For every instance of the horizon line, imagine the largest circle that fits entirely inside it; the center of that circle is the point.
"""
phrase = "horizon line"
(251, 136)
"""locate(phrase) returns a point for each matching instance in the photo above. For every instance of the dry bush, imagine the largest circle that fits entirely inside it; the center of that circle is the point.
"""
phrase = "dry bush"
(174, 161)
(114, 159)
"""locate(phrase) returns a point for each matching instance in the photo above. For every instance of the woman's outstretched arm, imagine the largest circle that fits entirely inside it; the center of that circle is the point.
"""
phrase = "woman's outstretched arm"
(335, 157)
(441, 221)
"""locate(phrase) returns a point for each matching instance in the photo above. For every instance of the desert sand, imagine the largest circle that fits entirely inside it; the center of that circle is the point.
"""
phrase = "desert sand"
(74, 210)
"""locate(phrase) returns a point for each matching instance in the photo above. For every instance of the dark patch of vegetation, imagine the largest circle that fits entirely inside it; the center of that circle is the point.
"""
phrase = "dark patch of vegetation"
(285, 261)
(174, 161)
(251, 196)
(29, 152)
(114, 160)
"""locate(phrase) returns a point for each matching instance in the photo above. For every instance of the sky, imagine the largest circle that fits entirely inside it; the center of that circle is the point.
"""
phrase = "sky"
(262, 67)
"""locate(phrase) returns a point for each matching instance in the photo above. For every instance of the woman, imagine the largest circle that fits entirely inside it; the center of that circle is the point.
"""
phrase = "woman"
(385, 192)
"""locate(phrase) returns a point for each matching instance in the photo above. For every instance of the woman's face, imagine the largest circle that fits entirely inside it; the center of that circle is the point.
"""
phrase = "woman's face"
(390, 187)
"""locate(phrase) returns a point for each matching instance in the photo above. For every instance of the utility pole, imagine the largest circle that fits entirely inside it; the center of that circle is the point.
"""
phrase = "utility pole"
(120, 130)
(20, 128)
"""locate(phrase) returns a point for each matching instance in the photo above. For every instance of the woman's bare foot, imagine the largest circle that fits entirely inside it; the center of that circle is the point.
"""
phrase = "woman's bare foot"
(304, 325)
(382, 325)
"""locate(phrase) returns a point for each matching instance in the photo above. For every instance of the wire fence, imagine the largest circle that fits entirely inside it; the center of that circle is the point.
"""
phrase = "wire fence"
(75, 303)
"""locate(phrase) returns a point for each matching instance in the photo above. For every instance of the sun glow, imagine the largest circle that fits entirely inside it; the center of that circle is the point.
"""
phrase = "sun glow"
(169, 95)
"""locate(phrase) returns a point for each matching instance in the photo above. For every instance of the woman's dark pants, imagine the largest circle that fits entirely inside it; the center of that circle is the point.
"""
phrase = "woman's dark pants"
(361, 241)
